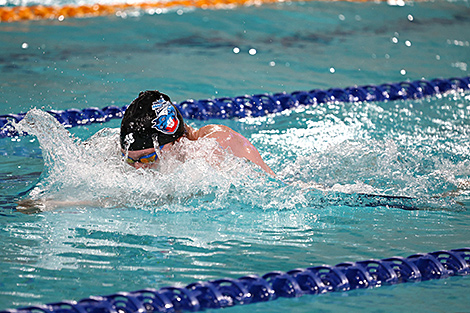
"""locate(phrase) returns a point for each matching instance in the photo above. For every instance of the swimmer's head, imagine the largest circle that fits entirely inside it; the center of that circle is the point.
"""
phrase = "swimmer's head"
(150, 120)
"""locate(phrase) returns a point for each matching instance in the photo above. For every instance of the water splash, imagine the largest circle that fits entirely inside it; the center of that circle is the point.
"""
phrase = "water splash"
(92, 173)
(349, 168)
(402, 154)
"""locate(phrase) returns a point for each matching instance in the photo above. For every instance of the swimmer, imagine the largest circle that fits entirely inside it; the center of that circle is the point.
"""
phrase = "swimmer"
(152, 122)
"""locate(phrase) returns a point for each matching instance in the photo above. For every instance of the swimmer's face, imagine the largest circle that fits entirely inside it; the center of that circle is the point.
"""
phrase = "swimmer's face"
(146, 158)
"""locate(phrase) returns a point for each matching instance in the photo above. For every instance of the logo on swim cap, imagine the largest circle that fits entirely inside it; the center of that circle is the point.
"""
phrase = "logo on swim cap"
(167, 121)
(129, 139)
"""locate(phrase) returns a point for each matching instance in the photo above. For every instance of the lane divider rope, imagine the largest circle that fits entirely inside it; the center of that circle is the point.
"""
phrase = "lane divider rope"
(228, 292)
(259, 104)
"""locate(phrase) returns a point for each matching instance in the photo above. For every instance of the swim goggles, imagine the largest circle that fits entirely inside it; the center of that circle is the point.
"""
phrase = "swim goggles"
(149, 158)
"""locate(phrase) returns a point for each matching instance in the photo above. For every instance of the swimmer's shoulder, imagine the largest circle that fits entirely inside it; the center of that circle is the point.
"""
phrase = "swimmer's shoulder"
(214, 130)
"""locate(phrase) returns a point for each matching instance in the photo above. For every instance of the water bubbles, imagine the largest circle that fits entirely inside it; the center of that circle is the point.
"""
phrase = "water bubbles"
(156, 11)
(251, 51)
(399, 3)
(121, 14)
(458, 43)
(460, 65)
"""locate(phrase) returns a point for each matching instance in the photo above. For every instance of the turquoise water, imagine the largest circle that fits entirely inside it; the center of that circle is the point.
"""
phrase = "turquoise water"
(195, 221)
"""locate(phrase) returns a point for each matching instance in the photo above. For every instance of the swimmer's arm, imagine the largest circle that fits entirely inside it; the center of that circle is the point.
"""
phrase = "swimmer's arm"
(238, 145)
(30, 206)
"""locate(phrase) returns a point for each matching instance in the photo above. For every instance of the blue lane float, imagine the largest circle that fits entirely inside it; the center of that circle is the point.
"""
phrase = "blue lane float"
(229, 292)
(260, 104)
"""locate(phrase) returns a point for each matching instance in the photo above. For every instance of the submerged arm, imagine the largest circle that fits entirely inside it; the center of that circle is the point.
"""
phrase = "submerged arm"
(30, 206)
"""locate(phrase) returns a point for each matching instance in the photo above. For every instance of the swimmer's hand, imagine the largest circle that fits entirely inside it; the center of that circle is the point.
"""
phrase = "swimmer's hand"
(30, 206)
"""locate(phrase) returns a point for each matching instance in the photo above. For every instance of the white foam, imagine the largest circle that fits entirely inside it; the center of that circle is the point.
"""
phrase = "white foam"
(92, 173)
(196, 175)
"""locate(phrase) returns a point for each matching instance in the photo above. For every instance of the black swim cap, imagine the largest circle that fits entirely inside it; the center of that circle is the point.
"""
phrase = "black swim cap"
(150, 117)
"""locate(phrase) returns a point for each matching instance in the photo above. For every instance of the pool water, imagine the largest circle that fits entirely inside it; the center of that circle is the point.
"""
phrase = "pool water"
(128, 230)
